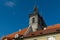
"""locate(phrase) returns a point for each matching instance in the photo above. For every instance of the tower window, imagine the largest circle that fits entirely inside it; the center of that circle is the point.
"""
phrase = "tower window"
(33, 20)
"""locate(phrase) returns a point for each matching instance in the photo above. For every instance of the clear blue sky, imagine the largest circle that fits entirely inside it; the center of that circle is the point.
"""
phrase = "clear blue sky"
(14, 14)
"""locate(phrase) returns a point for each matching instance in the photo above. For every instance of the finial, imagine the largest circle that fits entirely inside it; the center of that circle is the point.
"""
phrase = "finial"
(35, 7)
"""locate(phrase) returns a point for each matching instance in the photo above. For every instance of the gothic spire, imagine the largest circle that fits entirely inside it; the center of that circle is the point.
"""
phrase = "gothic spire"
(35, 7)
(35, 10)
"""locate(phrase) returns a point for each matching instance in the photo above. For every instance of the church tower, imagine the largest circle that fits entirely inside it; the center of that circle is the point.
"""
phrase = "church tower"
(36, 21)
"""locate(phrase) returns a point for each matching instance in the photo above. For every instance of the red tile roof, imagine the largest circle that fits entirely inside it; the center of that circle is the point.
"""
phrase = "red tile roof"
(49, 29)
(10, 36)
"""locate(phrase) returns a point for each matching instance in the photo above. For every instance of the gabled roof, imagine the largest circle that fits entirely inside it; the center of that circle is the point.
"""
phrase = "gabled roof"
(49, 29)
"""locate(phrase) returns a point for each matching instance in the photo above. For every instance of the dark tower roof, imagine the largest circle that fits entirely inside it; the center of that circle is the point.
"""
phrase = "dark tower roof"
(35, 11)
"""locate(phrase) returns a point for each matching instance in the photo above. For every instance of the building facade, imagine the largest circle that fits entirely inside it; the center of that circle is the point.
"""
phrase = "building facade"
(50, 33)
(55, 36)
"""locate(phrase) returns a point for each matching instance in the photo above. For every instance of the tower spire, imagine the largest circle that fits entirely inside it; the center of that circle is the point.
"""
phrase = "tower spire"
(36, 21)
(35, 7)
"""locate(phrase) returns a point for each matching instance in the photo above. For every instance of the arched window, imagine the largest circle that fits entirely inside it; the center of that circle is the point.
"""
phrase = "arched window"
(33, 20)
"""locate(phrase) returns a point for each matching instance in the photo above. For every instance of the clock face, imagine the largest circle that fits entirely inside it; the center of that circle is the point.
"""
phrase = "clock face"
(16, 36)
